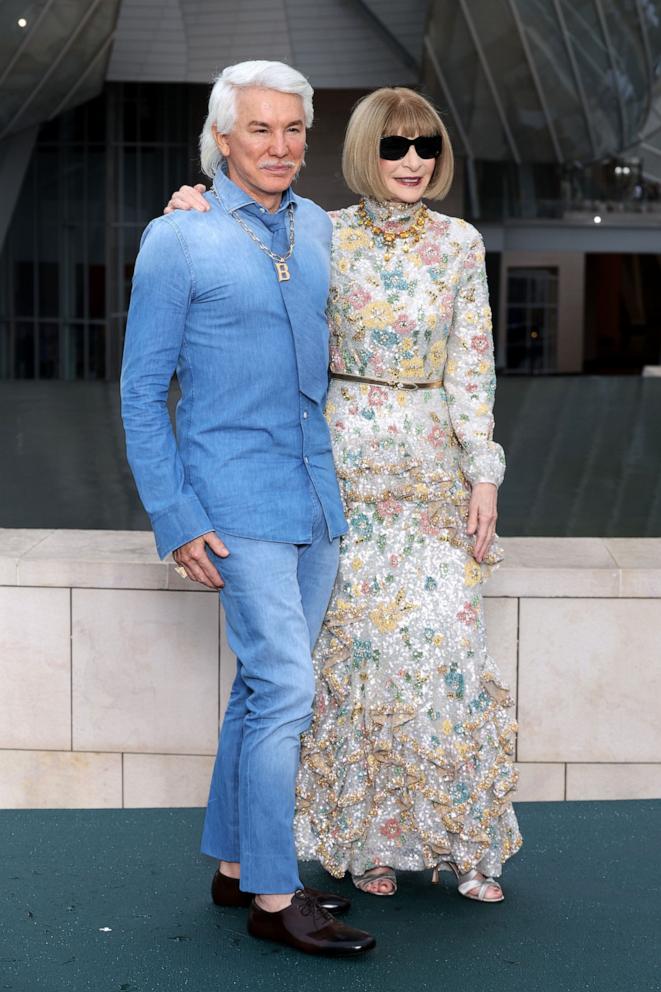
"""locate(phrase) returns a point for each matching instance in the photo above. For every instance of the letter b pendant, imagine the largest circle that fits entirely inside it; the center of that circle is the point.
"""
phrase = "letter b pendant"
(283, 271)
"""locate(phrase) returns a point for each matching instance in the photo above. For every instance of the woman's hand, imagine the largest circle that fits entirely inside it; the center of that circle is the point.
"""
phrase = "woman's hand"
(482, 517)
(188, 198)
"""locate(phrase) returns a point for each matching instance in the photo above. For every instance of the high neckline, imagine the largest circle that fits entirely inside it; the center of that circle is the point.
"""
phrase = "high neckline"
(392, 215)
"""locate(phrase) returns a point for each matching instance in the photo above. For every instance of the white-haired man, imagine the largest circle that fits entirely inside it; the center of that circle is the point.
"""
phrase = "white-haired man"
(235, 303)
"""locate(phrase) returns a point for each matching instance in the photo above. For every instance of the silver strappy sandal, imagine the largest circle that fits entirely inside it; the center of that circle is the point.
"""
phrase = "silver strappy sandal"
(473, 884)
(384, 875)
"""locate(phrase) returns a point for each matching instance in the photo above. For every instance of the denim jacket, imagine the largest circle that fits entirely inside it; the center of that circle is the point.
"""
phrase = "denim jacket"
(251, 357)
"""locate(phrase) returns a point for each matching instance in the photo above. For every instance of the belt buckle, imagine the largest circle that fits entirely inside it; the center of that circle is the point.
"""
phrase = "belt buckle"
(400, 384)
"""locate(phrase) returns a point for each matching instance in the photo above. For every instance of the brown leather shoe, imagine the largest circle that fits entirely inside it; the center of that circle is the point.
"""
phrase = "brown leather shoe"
(225, 891)
(304, 924)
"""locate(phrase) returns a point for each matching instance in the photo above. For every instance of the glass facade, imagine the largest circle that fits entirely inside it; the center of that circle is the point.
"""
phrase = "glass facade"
(97, 175)
(52, 56)
(548, 100)
(544, 80)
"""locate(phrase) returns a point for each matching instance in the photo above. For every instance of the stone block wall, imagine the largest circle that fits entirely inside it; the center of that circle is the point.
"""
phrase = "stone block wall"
(114, 671)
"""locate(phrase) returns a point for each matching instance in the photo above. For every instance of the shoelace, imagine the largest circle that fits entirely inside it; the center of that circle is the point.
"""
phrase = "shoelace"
(310, 907)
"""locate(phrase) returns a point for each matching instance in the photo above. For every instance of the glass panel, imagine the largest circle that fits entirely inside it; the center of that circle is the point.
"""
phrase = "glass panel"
(5, 371)
(532, 316)
(79, 308)
(95, 115)
(129, 116)
(591, 54)
(24, 351)
(49, 351)
(129, 201)
(151, 181)
(456, 53)
(95, 168)
(149, 110)
(74, 352)
(49, 289)
(97, 175)
(97, 351)
(24, 295)
(97, 290)
(593, 74)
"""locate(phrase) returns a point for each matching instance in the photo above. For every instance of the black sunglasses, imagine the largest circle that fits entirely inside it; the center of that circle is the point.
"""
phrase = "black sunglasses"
(395, 146)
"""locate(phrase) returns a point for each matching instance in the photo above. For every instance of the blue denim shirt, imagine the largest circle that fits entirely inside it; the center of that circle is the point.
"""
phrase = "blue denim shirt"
(251, 356)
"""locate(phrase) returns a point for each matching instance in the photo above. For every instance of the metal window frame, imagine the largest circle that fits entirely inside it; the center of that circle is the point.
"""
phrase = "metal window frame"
(646, 40)
(490, 81)
(473, 192)
(611, 58)
(566, 37)
(536, 80)
(448, 96)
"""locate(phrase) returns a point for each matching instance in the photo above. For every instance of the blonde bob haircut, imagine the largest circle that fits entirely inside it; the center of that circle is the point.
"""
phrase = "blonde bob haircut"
(385, 112)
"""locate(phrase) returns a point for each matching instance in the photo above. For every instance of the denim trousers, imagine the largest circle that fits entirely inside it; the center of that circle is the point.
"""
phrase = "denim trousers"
(275, 597)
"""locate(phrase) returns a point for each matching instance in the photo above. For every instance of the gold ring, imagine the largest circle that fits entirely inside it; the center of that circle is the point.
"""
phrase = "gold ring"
(180, 570)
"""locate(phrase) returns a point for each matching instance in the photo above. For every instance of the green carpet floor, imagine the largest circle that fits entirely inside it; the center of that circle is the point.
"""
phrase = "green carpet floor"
(118, 901)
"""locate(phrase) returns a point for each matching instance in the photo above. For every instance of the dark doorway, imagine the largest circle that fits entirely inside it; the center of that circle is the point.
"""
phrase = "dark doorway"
(622, 312)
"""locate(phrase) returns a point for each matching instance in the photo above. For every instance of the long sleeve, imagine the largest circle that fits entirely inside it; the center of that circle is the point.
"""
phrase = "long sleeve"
(161, 294)
(470, 378)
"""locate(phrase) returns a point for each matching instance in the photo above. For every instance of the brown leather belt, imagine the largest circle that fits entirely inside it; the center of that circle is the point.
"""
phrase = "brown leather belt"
(393, 383)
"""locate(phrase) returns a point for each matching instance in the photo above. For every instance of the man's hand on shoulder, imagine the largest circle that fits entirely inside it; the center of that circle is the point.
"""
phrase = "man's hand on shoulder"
(188, 198)
(194, 559)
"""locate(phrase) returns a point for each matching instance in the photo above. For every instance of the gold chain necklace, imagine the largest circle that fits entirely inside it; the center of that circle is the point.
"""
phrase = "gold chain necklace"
(279, 261)
(389, 238)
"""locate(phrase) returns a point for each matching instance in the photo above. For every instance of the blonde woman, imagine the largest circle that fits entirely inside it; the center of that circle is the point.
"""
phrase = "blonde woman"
(408, 763)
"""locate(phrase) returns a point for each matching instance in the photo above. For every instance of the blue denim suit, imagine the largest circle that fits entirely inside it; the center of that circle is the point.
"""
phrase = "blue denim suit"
(252, 461)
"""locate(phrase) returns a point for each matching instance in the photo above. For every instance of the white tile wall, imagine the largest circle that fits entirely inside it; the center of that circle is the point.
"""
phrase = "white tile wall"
(145, 671)
(590, 680)
(35, 668)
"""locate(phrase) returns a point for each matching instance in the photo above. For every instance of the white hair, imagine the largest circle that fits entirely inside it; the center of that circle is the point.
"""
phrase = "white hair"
(222, 101)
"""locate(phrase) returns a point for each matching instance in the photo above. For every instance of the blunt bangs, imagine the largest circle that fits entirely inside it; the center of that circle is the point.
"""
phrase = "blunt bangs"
(408, 119)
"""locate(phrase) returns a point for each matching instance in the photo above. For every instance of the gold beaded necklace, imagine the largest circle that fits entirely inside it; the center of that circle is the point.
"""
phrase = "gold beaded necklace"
(389, 238)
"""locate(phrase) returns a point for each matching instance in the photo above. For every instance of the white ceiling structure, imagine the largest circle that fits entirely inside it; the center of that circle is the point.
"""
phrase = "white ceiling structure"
(335, 43)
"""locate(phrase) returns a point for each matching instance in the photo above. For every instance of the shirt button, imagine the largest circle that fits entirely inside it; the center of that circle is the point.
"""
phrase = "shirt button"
(306, 460)
(305, 415)
(262, 210)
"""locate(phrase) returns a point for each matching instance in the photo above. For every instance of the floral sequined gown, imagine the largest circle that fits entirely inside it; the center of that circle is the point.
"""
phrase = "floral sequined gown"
(409, 758)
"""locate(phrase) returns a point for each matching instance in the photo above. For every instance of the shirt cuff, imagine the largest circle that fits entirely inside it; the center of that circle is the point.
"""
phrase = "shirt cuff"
(178, 524)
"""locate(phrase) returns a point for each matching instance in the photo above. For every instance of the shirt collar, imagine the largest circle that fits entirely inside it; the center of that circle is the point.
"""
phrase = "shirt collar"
(234, 198)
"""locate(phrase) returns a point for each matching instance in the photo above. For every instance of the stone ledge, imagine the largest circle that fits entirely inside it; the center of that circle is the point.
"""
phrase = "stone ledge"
(533, 566)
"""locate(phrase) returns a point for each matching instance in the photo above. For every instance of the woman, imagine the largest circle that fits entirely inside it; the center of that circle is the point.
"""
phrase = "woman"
(408, 763)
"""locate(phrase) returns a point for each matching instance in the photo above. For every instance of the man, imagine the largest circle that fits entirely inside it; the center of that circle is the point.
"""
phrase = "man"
(246, 497)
